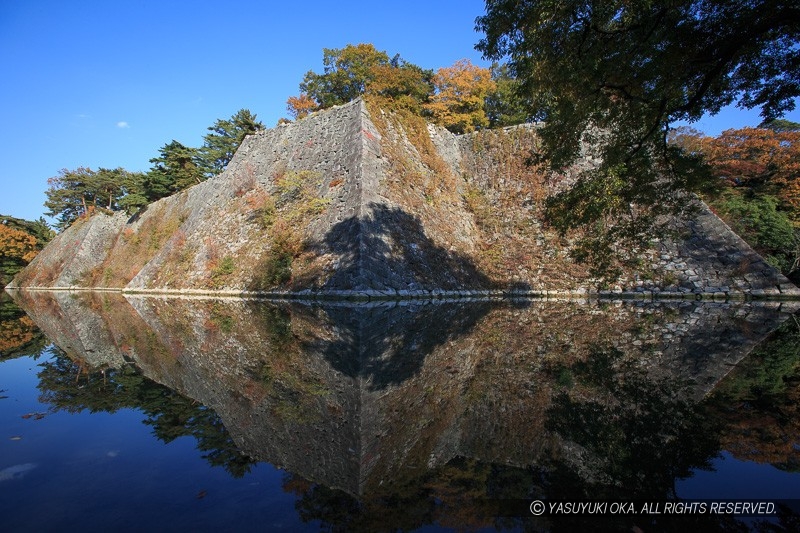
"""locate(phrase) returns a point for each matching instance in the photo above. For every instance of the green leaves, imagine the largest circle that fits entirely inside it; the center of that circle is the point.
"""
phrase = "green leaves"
(75, 193)
(347, 72)
(176, 168)
(224, 139)
(359, 69)
(757, 218)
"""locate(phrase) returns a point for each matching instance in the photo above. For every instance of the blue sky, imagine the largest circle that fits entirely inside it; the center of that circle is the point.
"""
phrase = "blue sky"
(107, 83)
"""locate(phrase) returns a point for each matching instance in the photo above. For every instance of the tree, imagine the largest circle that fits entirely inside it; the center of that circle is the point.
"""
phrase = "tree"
(20, 241)
(225, 137)
(506, 106)
(347, 72)
(756, 157)
(38, 228)
(17, 244)
(758, 219)
(760, 200)
(406, 84)
(176, 168)
(360, 69)
(459, 99)
(68, 195)
(134, 188)
(17, 249)
(76, 193)
(301, 106)
(616, 74)
(780, 125)
(107, 186)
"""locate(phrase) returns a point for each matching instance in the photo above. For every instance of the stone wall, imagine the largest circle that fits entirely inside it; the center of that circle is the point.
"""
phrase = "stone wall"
(359, 201)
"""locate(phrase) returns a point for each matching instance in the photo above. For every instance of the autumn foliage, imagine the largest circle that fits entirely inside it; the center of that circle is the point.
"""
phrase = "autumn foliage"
(758, 171)
(454, 97)
(459, 101)
(16, 244)
(20, 241)
(758, 157)
(301, 106)
(16, 333)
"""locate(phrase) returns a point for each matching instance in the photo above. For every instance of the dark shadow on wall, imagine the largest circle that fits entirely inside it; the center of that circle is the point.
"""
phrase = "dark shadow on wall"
(388, 249)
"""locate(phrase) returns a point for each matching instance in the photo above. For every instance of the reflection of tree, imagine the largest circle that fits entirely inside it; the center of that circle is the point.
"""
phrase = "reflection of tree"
(404, 508)
(760, 402)
(73, 387)
(19, 335)
(338, 510)
(637, 437)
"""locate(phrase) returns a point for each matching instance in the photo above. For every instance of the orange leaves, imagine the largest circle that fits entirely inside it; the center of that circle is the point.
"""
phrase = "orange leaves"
(755, 154)
(758, 157)
(301, 106)
(461, 90)
(16, 244)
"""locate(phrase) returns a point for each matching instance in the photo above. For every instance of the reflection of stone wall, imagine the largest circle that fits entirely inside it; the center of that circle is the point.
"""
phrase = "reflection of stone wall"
(365, 397)
(76, 324)
(257, 367)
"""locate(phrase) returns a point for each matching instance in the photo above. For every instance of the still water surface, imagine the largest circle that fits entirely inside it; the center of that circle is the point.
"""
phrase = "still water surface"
(196, 414)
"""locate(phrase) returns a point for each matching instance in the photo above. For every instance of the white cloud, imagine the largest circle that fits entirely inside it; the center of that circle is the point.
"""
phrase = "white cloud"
(122, 124)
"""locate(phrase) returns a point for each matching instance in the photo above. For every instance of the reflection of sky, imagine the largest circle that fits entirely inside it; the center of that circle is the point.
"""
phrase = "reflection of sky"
(736, 479)
(107, 471)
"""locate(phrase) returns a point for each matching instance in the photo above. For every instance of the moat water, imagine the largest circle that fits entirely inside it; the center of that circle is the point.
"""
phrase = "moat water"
(178, 414)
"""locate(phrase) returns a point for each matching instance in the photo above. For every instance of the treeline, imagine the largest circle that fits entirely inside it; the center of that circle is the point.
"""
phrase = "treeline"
(79, 192)
(758, 193)
(462, 97)
(20, 241)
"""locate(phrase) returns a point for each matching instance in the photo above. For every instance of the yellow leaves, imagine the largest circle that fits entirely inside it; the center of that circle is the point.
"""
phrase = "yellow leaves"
(455, 96)
(461, 90)
(755, 153)
(16, 244)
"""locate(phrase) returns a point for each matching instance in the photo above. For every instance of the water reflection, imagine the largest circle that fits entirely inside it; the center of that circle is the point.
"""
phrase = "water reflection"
(70, 385)
(19, 335)
(395, 416)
